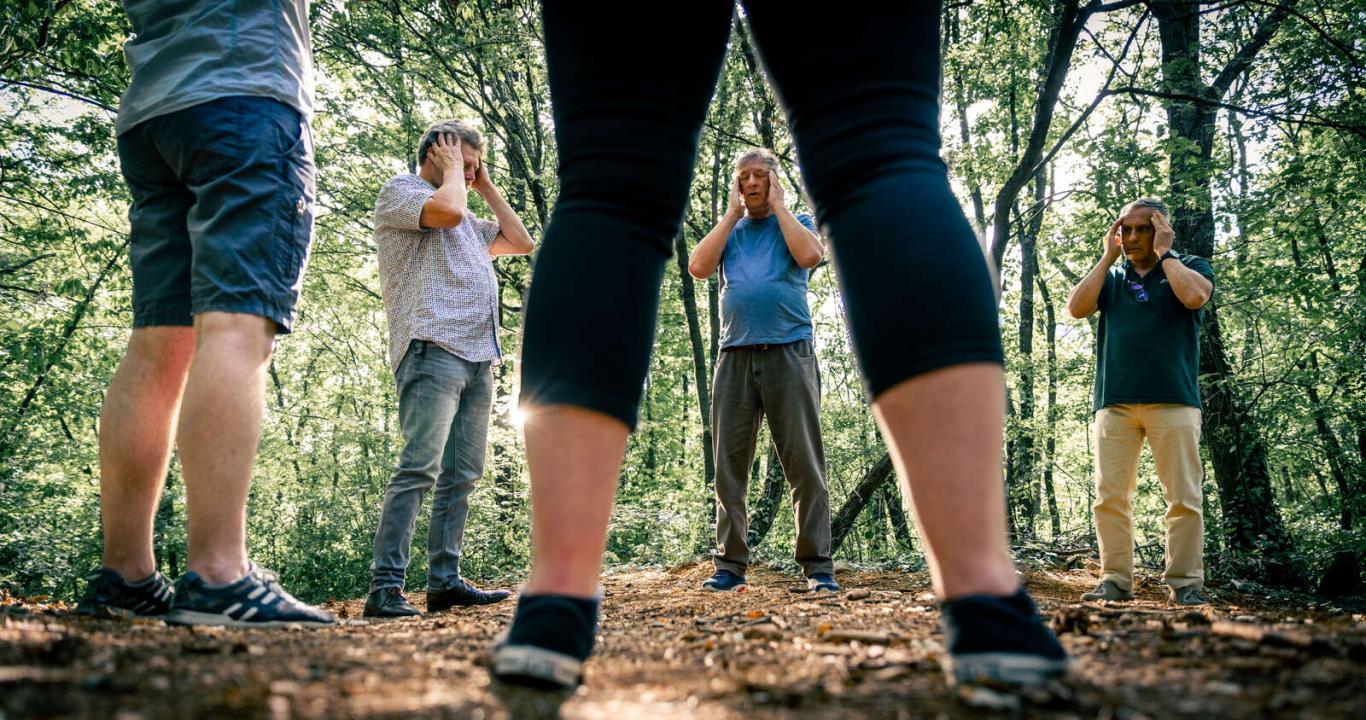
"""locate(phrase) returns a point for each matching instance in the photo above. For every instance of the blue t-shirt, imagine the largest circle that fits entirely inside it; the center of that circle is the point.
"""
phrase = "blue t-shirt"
(763, 291)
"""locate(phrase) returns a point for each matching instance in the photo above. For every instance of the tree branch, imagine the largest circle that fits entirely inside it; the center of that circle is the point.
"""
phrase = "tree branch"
(1239, 63)
(59, 91)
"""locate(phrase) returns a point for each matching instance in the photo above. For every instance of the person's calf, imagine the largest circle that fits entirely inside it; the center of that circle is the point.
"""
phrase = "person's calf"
(137, 423)
(219, 431)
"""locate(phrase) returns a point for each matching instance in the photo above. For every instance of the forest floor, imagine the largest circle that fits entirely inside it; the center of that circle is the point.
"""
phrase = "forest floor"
(669, 650)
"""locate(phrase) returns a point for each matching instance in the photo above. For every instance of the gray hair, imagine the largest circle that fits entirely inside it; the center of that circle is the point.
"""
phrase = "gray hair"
(468, 134)
(757, 153)
(1151, 202)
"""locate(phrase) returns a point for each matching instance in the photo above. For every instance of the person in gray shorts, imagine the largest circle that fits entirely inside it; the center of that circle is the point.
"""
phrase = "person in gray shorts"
(214, 142)
(767, 367)
(441, 300)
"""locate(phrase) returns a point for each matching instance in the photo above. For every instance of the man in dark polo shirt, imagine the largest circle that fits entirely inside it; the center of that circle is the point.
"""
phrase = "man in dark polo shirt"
(1147, 363)
(767, 367)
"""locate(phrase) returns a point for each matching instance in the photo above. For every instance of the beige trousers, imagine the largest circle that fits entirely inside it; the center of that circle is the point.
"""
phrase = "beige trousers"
(1173, 433)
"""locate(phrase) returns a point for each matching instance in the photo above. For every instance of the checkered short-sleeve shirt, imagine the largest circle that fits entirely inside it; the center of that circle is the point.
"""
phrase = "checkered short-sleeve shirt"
(438, 283)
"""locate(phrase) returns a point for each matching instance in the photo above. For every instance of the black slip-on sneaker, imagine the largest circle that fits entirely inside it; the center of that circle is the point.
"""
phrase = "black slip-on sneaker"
(1000, 641)
(548, 641)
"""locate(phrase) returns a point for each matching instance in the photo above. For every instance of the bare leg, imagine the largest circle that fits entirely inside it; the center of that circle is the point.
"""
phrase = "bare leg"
(574, 456)
(220, 426)
(944, 431)
(137, 424)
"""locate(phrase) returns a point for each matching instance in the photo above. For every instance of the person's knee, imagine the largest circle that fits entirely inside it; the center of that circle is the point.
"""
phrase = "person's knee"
(1184, 507)
(240, 334)
(1111, 501)
(164, 351)
(460, 481)
(411, 479)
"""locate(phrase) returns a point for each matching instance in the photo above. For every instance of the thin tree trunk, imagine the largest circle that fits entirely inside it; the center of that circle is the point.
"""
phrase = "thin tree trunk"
(961, 107)
(766, 510)
(873, 480)
(901, 529)
(167, 557)
(1051, 410)
(1022, 482)
(1331, 447)
(1062, 42)
(699, 360)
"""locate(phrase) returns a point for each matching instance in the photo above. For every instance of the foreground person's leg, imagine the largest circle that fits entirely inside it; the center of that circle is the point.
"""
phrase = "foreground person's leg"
(627, 131)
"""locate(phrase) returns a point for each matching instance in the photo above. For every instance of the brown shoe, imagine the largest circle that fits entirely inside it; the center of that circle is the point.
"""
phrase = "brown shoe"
(1108, 590)
(1188, 595)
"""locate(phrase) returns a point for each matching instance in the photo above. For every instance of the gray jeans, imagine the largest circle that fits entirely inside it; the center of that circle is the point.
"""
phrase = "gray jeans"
(783, 383)
(443, 408)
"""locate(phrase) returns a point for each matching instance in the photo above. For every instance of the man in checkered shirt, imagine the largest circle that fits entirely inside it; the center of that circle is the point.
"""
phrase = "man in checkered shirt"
(441, 298)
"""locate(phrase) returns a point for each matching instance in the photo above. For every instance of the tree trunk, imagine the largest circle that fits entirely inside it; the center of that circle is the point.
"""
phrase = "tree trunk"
(688, 294)
(1253, 526)
(897, 514)
(979, 216)
(1051, 410)
(1062, 41)
(843, 521)
(1337, 459)
(167, 557)
(766, 510)
(1022, 481)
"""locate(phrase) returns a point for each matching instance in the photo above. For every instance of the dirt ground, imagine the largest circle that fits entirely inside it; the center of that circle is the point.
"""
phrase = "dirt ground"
(668, 650)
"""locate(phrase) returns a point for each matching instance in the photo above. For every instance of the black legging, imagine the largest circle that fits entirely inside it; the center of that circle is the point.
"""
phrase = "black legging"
(860, 86)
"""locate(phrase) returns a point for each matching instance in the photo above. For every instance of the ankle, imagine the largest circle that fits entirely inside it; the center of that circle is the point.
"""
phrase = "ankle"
(580, 585)
(997, 582)
(132, 570)
(216, 571)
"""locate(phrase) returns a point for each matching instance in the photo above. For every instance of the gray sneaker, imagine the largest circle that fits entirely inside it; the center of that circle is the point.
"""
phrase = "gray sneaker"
(1189, 595)
(1108, 590)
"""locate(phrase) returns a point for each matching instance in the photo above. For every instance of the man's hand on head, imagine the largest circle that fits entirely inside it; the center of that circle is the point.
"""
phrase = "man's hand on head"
(776, 197)
(1110, 246)
(1163, 234)
(445, 154)
(481, 182)
(736, 207)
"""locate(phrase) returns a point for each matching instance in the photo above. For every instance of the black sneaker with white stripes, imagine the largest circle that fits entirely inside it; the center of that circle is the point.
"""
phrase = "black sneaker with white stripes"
(108, 595)
(255, 601)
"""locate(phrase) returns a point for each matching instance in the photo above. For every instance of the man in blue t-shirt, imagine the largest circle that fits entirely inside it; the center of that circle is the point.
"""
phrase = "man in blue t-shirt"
(766, 367)
(1147, 365)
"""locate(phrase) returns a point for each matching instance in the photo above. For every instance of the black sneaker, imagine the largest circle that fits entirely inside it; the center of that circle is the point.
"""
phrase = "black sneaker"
(255, 601)
(108, 595)
(463, 595)
(388, 602)
(548, 641)
(822, 582)
(1188, 595)
(725, 581)
(999, 640)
